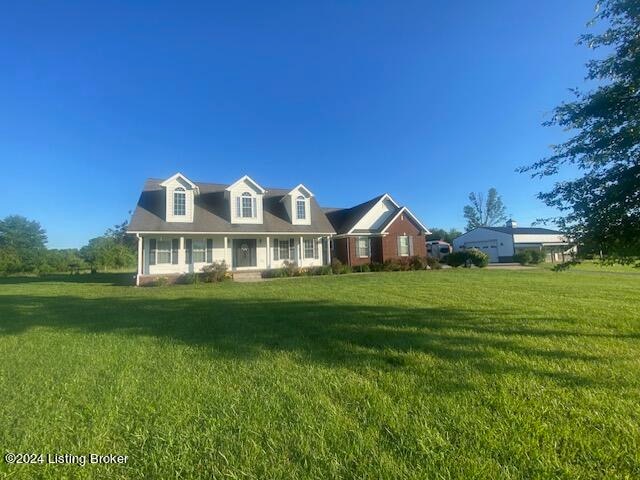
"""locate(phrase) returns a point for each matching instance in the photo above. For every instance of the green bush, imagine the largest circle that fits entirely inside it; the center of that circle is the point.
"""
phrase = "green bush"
(188, 279)
(433, 263)
(466, 258)
(523, 257)
(376, 267)
(290, 269)
(537, 256)
(477, 257)
(336, 265)
(216, 272)
(362, 268)
(160, 282)
(418, 263)
(345, 269)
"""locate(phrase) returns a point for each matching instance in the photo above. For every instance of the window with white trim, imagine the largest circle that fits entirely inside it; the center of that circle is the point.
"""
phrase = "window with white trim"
(199, 250)
(403, 245)
(179, 202)
(283, 249)
(248, 205)
(301, 208)
(163, 251)
(363, 247)
(309, 248)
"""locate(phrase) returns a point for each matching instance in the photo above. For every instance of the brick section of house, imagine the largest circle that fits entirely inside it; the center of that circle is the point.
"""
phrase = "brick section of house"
(382, 247)
(402, 226)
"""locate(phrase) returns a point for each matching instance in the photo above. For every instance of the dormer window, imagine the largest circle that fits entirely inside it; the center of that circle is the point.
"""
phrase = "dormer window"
(301, 208)
(247, 206)
(179, 202)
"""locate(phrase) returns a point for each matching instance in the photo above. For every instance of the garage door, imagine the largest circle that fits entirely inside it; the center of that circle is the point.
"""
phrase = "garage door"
(490, 247)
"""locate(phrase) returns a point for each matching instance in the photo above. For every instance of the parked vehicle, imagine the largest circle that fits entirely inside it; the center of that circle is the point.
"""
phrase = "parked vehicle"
(438, 249)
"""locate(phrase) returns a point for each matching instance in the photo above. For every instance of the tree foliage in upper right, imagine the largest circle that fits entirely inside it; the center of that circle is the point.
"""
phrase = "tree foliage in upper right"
(601, 209)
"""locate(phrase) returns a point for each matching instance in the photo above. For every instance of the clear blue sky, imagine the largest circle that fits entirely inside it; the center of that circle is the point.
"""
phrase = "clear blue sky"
(425, 100)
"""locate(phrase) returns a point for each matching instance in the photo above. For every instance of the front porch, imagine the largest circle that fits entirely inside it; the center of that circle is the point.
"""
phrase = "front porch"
(166, 254)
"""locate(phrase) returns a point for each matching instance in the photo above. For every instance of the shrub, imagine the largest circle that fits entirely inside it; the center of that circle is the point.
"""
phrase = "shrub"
(537, 256)
(290, 269)
(188, 279)
(523, 257)
(433, 263)
(216, 272)
(418, 263)
(391, 266)
(362, 268)
(466, 258)
(376, 267)
(160, 282)
(477, 257)
(336, 265)
(273, 273)
(345, 269)
(456, 259)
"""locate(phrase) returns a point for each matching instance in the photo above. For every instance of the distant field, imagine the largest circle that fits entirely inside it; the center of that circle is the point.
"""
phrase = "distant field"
(442, 374)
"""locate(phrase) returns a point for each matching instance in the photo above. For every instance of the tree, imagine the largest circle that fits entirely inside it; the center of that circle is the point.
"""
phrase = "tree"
(105, 252)
(120, 235)
(444, 235)
(24, 240)
(483, 213)
(601, 209)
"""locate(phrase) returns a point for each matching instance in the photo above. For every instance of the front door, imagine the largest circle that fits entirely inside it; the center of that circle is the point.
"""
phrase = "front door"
(244, 253)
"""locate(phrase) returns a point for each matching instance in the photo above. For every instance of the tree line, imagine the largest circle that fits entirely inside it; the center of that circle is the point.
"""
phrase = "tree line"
(23, 249)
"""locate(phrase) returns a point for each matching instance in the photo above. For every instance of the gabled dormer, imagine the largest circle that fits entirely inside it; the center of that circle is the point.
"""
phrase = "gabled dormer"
(298, 205)
(244, 198)
(180, 193)
(377, 215)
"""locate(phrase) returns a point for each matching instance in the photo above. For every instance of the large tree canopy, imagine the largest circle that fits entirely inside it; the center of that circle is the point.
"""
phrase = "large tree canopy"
(602, 207)
(22, 243)
(484, 213)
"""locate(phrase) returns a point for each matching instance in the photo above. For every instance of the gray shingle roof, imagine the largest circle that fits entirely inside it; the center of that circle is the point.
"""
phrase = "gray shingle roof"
(211, 213)
(524, 230)
(344, 219)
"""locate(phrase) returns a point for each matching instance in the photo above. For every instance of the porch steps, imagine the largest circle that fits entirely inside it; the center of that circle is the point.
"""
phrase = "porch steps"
(247, 277)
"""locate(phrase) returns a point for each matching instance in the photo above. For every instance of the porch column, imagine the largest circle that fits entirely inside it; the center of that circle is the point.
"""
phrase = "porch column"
(268, 254)
(301, 252)
(140, 264)
(328, 250)
(182, 257)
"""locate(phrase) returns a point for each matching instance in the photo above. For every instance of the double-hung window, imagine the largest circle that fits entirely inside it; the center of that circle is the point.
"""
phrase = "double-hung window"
(179, 202)
(301, 208)
(199, 251)
(284, 250)
(247, 206)
(163, 251)
(309, 248)
(403, 246)
(363, 247)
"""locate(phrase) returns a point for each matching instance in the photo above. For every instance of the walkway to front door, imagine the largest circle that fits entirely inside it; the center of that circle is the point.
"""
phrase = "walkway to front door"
(244, 253)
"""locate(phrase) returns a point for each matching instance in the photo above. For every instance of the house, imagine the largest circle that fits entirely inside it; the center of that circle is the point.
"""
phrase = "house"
(376, 231)
(182, 225)
(501, 243)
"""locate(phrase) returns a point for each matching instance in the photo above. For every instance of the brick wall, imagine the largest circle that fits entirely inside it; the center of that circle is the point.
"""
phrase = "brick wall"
(402, 226)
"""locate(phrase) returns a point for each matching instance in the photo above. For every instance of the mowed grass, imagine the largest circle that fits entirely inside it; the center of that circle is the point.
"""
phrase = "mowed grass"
(443, 374)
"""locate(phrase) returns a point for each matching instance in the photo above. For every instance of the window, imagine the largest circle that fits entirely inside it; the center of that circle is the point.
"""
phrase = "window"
(363, 247)
(309, 248)
(179, 202)
(163, 251)
(301, 208)
(199, 251)
(248, 202)
(403, 246)
(444, 249)
(284, 249)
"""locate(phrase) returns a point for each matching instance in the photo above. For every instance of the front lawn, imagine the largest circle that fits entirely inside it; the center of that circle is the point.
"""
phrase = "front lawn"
(442, 374)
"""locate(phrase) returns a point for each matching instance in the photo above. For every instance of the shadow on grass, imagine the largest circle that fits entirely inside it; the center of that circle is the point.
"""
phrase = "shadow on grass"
(345, 336)
(118, 279)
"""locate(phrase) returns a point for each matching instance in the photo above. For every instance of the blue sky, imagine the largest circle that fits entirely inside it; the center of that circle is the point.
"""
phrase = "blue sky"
(424, 100)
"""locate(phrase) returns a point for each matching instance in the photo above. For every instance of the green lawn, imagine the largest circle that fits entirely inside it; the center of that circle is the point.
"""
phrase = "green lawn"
(444, 374)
